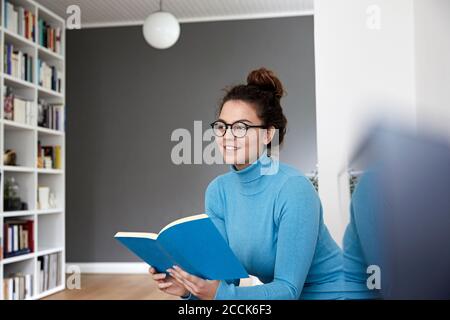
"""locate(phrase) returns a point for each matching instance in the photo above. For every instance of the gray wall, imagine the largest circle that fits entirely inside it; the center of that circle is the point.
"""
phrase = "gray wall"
(124, 99)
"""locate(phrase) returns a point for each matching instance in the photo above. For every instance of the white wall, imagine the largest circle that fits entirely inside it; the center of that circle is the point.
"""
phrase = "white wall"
(432, 46)
(361, 73)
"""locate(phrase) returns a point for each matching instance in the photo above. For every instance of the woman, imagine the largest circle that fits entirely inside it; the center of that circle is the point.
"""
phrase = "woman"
(272, 220)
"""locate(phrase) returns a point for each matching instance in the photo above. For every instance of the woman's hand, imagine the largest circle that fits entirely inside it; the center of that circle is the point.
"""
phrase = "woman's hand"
(168, 284)
(202, 289)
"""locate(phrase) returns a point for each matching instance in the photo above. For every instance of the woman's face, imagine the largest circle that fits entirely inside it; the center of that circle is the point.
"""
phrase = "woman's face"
(241, 151)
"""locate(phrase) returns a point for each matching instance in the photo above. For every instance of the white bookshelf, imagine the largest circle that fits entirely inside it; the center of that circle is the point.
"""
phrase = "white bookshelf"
(49, 224)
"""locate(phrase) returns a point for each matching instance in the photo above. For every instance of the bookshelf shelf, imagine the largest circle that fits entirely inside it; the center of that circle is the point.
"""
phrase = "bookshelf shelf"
(16, 82)
(26, 134)
(49, 132)
(18, 126)
(50, 211)
(13, 214)
(48, 54)
(17, 39)
(50, 171)
(12, 125)
(46, 251)
(47, 93)
(18, 169)
(18, 258)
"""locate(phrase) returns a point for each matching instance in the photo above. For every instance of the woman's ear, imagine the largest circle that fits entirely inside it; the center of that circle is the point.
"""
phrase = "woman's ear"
(268, 135)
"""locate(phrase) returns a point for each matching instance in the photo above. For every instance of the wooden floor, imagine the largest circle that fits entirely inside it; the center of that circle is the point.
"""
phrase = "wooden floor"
(114, 287)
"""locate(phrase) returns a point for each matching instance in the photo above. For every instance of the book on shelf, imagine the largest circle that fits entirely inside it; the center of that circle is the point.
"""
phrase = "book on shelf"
(49, 157)
(1, 247)
(17, 109)
(18, 64)
(18, 237)
(51, 116)
(49, 77)
(19, 20)
(49, 37)
(49, 272)
(8, 104)
(193, 243)
(18, 286)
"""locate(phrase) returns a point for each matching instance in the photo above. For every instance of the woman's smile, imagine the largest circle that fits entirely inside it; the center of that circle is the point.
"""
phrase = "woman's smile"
(230, 148)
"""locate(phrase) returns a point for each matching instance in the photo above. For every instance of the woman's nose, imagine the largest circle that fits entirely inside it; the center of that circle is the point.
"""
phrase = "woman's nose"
(228, 135)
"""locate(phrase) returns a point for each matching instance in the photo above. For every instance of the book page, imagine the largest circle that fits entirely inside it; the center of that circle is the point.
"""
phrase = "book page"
(151, 236)
(183, 220)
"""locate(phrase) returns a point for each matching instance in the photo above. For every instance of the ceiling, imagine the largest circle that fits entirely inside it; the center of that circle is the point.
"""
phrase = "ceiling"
(101, 13)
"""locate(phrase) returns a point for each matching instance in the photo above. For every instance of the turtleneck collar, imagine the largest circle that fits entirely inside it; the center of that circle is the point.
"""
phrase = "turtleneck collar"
(251, 178)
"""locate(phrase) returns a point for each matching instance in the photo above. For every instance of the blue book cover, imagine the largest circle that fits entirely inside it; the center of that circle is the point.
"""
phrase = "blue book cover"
(193, 243)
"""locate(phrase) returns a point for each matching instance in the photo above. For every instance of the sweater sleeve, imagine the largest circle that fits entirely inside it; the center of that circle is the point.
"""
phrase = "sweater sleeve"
(215, 210)
(214, 207)
(298, 216)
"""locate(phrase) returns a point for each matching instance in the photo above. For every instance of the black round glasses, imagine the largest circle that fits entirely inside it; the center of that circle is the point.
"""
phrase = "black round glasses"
(238, 129)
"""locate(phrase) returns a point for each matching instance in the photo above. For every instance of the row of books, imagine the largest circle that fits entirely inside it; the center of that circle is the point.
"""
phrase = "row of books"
(19, 20)
(49, 157)
(18, 287)
(49, 271)
(49, 37)
(49, 76)
(51, 116)
(17, 63)
(17, 109)
(18, 237)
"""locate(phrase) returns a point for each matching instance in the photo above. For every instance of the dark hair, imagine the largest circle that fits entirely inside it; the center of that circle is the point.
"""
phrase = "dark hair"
(264, 91)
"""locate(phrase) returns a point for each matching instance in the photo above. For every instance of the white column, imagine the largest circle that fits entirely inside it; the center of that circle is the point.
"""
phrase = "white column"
(364, 53)
(432, 19)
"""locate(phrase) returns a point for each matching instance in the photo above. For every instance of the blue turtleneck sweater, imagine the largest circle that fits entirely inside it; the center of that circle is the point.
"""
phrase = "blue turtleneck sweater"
(271, 217)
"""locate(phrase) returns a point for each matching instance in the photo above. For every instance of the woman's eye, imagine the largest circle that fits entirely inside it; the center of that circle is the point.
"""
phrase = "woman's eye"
(239, 127)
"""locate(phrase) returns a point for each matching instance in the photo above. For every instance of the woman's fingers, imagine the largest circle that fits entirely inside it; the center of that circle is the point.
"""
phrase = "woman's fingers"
(175, 274)
(159, 276)
(177, 279)
(162, 280)
(156, 276)
(192, 287)
(164, 285)
(187, 276)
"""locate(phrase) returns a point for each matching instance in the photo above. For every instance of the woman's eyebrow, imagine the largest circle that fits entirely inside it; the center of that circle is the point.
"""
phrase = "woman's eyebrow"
(243, 120)
(240, 120)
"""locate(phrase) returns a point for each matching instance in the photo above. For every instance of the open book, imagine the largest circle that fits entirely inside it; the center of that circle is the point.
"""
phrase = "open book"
(193, 243)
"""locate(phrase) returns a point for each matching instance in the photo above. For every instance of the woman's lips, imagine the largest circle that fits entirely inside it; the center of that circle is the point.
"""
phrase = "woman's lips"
(230, 148)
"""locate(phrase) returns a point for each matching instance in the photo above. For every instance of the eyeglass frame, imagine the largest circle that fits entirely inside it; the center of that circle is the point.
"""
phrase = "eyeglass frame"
(230, 125)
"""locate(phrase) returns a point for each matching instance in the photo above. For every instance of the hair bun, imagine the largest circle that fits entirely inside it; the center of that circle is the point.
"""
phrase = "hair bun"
(266, 80)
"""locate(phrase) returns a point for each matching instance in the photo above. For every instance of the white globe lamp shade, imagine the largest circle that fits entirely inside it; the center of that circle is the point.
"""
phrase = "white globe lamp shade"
(161, 30)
